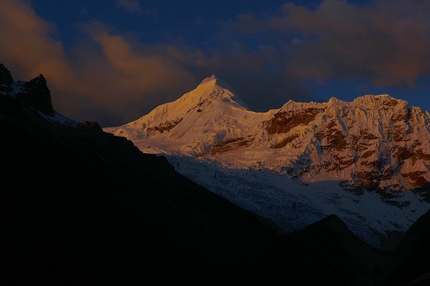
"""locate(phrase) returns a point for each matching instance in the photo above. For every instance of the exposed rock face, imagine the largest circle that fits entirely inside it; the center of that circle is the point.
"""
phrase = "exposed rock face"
(5, 76)
(92, 124)
(37, 95)
(164, 127)
(5, 79)
(375, 142)
(34, 93)
(284, 121)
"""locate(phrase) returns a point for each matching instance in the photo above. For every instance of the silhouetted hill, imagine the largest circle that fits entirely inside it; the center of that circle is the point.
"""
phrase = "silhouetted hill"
(411, 259)
(324, 252)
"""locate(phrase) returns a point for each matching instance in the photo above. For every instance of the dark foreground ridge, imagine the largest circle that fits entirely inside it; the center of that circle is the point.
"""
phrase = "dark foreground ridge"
(79, 206)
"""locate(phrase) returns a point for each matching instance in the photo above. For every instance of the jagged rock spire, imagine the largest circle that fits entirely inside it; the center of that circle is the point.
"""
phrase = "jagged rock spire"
(34, 93)
(5, 76)
(38, 95)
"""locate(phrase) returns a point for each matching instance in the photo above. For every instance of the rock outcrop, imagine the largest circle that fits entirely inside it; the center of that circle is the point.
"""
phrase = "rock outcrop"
(6, 79)
(34, 93)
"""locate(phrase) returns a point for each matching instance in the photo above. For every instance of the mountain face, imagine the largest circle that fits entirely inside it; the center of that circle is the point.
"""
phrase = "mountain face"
(366, 160)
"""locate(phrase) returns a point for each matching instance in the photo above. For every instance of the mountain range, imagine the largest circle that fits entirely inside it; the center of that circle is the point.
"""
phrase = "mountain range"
(81, 206)
(367, 160)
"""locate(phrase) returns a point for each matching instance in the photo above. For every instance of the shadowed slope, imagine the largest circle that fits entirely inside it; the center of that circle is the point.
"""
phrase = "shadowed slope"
(78, 205)
(326, 251)
(411, 259)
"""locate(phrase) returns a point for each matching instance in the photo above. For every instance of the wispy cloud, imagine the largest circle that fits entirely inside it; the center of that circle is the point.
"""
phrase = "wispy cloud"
(28, 46)
(138, 70)
(130, 5)
(83, 11)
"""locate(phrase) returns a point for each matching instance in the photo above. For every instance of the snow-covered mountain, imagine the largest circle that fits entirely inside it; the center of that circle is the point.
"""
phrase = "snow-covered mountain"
(366, 161)
(197, 122)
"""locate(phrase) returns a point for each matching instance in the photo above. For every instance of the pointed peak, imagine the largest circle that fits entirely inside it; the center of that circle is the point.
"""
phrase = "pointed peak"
(212, 88)
(334, 99)
(209, 79)
(39, 80)
(334, 102)
(215, 81)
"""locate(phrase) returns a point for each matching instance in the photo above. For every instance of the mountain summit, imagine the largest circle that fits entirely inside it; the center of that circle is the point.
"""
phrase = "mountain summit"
(34, 93)
(197, 116)
(218, 88)
(366, 161)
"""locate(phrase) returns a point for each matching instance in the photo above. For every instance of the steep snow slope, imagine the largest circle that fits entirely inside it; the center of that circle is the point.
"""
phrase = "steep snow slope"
(194, 123)
(366, 161)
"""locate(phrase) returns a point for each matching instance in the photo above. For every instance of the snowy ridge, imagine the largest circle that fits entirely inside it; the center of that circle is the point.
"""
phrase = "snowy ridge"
(57, 117)
(366, 160)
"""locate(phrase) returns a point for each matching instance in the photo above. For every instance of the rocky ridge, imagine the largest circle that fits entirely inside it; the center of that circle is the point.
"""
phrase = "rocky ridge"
(34, 93)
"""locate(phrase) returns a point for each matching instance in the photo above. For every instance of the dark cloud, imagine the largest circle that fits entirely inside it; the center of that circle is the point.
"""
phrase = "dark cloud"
(260, 77)
(387, 42)
(130, 5)
(248, 25)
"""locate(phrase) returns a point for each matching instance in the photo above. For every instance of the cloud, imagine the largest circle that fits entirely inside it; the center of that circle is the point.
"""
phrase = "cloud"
(125, 78)
(148, 75)
(138, 70)
(28, 46)
(386, 42)
(83, 11)
(129, 5)
(107, 76)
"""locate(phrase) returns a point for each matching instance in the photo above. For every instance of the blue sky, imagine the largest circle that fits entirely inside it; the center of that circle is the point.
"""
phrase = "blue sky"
(113, 61)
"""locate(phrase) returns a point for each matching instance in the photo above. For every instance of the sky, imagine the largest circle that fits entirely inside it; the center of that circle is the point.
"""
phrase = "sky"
(112, 61)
